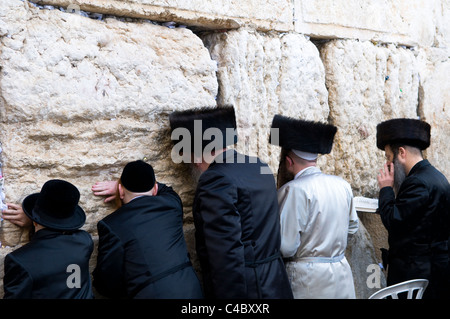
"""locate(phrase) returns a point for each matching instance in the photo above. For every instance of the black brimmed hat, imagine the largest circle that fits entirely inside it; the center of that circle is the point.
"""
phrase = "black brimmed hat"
(138, 177)
(405, 131)
(222, 118)
(56, 206)
(306, 136)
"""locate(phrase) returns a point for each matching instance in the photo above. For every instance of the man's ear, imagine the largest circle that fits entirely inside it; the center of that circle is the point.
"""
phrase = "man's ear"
(155, 189)
(121, 191)
(402, 152)
(289, 161)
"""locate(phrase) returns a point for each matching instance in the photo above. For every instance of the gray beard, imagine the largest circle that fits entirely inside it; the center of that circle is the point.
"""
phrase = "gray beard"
(399, 175)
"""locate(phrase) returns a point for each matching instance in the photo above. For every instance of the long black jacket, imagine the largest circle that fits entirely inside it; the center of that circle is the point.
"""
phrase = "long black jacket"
(418, 227)
(238, 230)
(142, 252)
(53, 265)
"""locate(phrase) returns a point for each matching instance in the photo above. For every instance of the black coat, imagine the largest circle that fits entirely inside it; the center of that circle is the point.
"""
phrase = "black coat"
(238, 230)
(142, 252)
(50, 266)
(418, 225)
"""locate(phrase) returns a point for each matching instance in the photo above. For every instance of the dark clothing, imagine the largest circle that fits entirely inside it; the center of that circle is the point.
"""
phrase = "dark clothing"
(142, 252)
(418, 224)
(238, 230)
(53, 265)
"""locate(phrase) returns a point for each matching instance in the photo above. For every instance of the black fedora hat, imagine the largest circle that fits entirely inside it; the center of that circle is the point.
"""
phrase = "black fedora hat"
(56, 206)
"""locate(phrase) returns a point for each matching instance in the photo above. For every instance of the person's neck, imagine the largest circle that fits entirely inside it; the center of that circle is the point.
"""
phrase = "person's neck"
(300, 168)
(215, 154)
(38, 227)
(208, 159)
(128, 196)
(411, 162)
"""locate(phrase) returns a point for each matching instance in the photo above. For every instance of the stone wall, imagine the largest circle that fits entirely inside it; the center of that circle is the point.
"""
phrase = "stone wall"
(83, 93)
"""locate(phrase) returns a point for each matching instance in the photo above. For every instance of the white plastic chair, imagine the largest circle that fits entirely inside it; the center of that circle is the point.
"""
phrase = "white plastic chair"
(407, 286)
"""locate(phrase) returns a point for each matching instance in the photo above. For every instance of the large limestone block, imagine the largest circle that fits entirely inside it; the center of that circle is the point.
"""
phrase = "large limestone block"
(81, 97)
(406, 22)
(263, 15)
(263, 74)
(442, 39)
(378, 233)
(367, 84)
(101, 68)
(434, 104)
(361, 255)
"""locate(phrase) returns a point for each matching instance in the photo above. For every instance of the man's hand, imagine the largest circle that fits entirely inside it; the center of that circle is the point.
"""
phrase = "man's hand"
(108, 188)
(386, 176)
(16, 215)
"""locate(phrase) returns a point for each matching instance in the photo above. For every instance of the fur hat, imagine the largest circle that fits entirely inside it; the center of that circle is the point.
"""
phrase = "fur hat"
(410, 132)
(221, 118)
(306, 136)
(56, 206)
(138, 177)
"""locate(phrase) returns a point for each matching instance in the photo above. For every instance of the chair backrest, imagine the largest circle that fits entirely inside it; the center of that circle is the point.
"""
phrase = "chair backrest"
(407, 286)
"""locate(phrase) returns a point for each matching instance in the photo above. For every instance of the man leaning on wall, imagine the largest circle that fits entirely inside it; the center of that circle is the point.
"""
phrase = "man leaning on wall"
(235, 209)
(55, 263)
(142, 252)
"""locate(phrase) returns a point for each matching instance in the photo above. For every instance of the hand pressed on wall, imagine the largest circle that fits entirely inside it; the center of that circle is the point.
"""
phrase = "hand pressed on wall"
(106, 188)
(16, 215)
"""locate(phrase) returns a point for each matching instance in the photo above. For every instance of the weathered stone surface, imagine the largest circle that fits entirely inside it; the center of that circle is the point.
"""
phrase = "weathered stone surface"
(422, 22)
(99, 71)
(378, 234)
(80, 98)
(361, 255)
(263, 74)
(367, 84)
(403, 22)
(226, 14)
(434, 107)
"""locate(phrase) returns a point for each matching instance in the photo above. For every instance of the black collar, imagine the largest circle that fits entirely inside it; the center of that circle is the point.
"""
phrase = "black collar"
(419, 166)
(49, 233)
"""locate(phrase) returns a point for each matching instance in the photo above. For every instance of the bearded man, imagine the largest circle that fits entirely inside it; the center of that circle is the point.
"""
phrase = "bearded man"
(414, 205)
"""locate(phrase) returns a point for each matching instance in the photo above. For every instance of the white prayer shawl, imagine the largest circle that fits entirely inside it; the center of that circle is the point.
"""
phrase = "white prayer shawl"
(316, 215)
